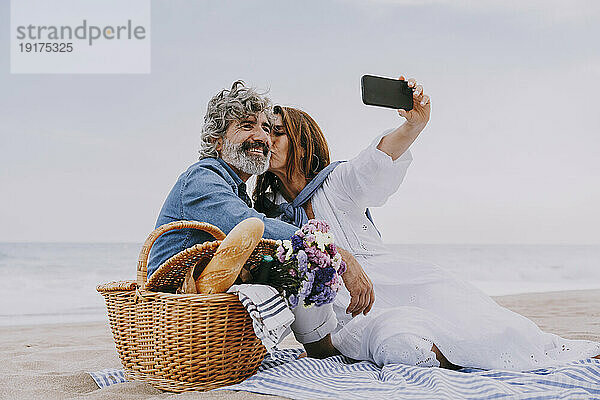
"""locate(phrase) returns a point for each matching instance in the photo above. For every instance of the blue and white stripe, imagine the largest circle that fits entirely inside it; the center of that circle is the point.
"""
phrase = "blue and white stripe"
(282, 374)
(108, 376)
(340, 378)
(268, 308)
(271, 316)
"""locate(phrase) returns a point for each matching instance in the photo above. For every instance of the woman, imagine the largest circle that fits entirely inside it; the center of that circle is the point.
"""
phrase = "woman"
(422, 315)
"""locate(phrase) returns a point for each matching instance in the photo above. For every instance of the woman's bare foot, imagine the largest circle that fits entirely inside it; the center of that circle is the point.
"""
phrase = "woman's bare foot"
(301, 355)
(444, 363)
(598, 356)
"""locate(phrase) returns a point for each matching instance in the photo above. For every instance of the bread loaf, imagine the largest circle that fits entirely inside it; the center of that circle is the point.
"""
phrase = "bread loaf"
(189, 285)
(230, 257)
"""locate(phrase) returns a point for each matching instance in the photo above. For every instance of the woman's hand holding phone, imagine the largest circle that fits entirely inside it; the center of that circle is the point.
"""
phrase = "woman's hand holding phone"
(399, 140)
(417, 118)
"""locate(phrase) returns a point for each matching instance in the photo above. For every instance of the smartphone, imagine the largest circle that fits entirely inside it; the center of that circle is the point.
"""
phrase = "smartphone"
(386, 92)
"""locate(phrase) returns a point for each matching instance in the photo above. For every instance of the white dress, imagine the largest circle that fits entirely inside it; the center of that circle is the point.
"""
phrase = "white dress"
(418, 303)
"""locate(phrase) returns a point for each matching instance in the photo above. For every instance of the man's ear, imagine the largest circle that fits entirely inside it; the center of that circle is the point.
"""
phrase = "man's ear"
(219, 145)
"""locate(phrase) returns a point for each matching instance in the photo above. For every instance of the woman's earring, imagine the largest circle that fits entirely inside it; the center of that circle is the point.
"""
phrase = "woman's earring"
(316, 168)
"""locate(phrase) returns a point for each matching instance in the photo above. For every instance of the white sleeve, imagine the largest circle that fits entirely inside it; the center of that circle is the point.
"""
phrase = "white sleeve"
(371, 177)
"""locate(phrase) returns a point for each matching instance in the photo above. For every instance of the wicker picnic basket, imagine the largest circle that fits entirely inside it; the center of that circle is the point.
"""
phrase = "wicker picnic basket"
(182, 342)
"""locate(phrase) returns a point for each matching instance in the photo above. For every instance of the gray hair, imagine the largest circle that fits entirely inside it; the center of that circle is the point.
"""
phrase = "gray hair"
(229, 106)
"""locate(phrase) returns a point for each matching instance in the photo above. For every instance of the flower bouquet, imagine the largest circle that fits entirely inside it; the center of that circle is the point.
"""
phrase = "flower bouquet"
(306, 269)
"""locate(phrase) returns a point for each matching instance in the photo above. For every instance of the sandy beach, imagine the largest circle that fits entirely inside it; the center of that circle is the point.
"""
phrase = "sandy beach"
(50, 361)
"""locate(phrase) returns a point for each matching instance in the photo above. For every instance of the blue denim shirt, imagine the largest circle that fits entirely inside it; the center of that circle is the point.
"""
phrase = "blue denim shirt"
(209, 191)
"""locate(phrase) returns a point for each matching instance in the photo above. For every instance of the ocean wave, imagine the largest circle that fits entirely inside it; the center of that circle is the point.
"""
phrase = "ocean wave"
(54, 283)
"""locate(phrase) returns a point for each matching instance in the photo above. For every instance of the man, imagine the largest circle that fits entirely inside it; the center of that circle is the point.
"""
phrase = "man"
(235, 144)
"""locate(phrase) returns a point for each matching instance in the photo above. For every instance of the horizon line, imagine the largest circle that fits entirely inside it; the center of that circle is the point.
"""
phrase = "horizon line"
(386, 243)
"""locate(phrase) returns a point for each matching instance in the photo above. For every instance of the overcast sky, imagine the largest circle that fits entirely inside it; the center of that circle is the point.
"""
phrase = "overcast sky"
(511, 154)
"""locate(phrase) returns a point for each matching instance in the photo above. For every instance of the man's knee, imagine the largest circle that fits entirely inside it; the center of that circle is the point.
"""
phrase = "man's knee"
(311, 325)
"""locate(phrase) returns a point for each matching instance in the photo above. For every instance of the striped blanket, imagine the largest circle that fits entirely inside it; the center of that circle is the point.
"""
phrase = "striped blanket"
(340, 378)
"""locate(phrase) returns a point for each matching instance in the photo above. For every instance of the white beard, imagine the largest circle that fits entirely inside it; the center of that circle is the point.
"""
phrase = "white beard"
(235, 155)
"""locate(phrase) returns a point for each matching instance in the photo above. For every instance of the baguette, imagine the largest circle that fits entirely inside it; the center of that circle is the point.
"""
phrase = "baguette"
(189, 285)
(231, 255)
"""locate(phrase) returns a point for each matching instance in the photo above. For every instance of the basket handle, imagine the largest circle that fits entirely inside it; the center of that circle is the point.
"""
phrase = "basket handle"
(142, 265)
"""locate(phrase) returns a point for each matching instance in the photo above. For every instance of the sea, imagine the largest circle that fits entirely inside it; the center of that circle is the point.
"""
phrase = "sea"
(44, 283)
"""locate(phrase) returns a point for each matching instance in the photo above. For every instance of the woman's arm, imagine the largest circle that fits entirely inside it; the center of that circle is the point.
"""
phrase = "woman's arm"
(370, 178)
(399, 140)
(376, 173)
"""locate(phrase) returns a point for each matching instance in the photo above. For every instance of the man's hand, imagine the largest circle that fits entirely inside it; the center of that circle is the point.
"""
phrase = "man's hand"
(358, 284)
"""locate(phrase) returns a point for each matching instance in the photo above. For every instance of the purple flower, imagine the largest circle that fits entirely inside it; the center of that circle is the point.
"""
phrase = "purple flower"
(297, 243)
(319, 225)
(322, 295)
(309, 228)
(335, 283)
(307, 285)
(302, 261)
(342, 268)
(324, 275)
(293, 299)
(317, 257)
(332, 249)
(309, 240)
(305, 270)
(281, 254)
